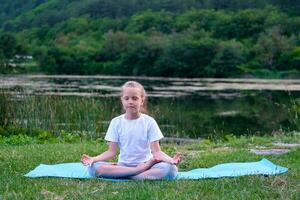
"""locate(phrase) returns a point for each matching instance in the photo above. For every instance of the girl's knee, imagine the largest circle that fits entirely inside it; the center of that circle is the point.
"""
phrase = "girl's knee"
(97, 168)
(103, 171)
(100, 170)
(169, 171)
(172, 172)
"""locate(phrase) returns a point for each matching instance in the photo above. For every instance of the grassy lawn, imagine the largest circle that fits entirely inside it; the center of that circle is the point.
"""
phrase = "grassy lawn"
(16, 160)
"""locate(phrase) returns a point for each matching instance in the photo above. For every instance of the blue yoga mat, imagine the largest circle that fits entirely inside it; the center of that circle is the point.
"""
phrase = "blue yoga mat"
(78, 170)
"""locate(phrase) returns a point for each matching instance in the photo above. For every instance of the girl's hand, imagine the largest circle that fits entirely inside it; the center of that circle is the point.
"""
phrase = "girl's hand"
(87, 160)
(176, 159)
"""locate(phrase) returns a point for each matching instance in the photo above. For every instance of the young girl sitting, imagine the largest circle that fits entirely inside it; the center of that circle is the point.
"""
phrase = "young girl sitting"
(137, 135)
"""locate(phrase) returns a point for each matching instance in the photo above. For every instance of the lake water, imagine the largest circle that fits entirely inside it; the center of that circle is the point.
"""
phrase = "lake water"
(183, 107)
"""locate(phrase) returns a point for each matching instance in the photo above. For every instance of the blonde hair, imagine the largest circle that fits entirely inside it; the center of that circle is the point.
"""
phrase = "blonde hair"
(134, 84)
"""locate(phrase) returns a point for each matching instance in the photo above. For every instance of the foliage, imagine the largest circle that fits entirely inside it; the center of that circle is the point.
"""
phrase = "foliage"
(9, 48)
(15, 135)
(161, 21)
(187, 57)
(156, 38)
(229, 55)
(208, 114)
(271, 45)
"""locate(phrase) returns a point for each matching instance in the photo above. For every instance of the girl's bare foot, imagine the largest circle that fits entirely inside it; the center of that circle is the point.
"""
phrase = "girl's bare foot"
(147, 165)
(177, 158)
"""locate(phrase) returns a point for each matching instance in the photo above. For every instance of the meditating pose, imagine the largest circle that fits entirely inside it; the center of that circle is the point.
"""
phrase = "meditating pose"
(137, 136)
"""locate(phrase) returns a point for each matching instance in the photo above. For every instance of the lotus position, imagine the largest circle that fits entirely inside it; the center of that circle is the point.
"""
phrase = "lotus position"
(137, 136)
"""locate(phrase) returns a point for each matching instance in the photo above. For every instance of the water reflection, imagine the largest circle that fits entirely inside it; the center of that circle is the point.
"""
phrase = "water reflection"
(182, 107)
(108, 86)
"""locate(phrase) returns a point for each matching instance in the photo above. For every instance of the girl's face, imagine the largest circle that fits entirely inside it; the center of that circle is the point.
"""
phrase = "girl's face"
(132, 100)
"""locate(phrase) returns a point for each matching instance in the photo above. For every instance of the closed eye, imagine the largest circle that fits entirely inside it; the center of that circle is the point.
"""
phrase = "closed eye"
(135, 98)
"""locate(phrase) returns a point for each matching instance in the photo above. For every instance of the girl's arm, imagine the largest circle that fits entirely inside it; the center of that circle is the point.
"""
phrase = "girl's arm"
(160, 155)
(110, 153)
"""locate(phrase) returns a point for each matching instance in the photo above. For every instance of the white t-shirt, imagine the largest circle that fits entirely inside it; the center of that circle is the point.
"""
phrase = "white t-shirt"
(133, 137)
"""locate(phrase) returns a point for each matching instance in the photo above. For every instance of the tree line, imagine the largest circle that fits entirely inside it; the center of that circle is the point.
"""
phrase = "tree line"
(191, 43)
(20, 14)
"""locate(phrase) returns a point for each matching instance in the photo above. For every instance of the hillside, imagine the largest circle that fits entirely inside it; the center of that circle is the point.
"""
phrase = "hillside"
(11, 9)
(191, 38)
(17, 15)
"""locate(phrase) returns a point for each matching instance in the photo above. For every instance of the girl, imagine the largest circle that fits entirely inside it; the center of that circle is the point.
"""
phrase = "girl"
(137, 135)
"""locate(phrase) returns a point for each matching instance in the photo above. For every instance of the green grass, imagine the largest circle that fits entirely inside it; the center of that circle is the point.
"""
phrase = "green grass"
(16, 160)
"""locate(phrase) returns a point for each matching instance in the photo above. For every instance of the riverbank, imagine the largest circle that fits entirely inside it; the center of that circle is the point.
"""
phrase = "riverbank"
(33, 69)
(16, 160)
(192, 108)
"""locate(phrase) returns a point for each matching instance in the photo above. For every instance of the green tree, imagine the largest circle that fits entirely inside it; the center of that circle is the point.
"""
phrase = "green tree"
(229, 55)
(141, 58)
(147, 20)
(185, 57)
(8, 45)
(198, 20)
(48, 65)
(114, 44)
(270, 45)
(46, 57)
(2, 62)
(290, 6)
(289, 60)
(246, 23)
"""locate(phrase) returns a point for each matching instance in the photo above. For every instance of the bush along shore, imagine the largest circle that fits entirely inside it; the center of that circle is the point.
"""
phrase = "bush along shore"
(15, 135)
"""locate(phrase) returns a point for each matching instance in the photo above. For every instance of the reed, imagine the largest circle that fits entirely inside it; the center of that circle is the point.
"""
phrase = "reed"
(193, 117)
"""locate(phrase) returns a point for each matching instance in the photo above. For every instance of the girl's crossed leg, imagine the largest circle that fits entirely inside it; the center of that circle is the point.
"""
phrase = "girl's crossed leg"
(108, 170)
(152, 169)
(161, 170)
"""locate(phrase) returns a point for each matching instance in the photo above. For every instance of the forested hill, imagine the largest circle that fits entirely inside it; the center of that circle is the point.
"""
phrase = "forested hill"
(190, 38)
(30, 13)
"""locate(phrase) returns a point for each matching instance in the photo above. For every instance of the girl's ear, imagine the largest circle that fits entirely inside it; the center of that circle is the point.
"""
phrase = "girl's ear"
(143, 100)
